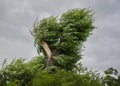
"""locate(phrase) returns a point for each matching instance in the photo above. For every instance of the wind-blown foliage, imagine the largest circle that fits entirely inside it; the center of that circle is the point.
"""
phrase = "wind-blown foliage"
(31, 73)
(64, 36)
(19, 72)
(112, 77)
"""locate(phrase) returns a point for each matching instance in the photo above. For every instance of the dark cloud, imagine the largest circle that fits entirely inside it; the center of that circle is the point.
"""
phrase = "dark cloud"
(17, 17)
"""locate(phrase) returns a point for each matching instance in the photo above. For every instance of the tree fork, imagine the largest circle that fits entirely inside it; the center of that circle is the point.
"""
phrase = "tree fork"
(48, 52)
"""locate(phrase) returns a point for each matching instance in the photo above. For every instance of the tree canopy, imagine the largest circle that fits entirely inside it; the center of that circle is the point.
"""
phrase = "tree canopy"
(60, 39)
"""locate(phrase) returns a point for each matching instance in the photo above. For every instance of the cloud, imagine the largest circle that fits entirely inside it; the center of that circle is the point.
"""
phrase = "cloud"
(102, 49)
(17, 17)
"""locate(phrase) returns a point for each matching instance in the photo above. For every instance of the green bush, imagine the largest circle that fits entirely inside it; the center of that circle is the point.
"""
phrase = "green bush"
(65, 78)
(31, 73)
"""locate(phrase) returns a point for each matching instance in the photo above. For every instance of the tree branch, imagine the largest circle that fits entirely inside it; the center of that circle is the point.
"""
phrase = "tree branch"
(46, 48)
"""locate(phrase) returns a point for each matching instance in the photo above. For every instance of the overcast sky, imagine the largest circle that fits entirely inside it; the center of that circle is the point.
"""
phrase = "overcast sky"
(17, 17)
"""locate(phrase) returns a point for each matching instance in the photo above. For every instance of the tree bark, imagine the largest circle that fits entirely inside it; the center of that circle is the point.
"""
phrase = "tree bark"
(46, 48)
(48, 52)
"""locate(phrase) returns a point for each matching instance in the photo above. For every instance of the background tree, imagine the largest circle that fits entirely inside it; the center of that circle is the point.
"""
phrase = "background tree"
(20, 73)
(60, 39)
(112, 77)
(30, 73)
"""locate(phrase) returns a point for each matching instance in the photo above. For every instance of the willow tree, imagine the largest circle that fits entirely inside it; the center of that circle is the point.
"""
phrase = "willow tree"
(60, 39)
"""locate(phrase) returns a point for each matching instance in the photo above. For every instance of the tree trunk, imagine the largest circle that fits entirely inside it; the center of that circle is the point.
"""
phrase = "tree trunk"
(48, 52)
(49, 62)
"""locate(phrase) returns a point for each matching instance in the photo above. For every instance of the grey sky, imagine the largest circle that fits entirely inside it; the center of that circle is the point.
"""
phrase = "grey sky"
(17, 17)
